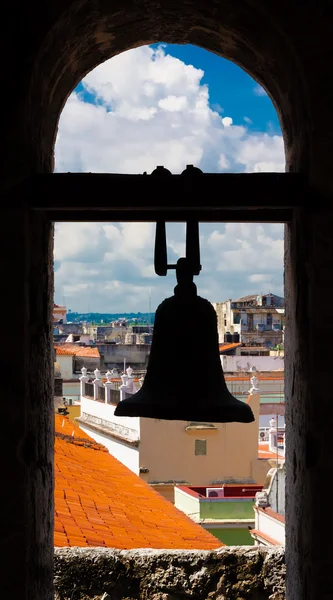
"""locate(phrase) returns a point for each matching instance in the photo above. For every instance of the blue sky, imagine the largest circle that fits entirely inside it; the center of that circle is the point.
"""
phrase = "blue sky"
(171, 105)
(231, 88)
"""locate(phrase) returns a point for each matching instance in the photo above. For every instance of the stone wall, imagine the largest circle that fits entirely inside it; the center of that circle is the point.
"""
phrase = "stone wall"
(234, 573)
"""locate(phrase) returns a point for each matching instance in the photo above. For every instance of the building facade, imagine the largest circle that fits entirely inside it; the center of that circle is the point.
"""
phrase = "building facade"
(166, 453)
(269, 510)
(59, 313)
(256, 319)
(226, 511)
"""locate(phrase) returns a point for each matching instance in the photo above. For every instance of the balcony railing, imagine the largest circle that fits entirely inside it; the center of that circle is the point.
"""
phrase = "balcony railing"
(89, 390)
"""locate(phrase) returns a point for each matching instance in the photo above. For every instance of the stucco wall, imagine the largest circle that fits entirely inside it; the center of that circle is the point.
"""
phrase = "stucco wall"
(168, 450)
(269, 526)
(105, 413)
(227, 509)
(91, 363)
(66, 364)
(71, 389)
(248, 573)
(244, 363)
(188, 504)
(114, 354)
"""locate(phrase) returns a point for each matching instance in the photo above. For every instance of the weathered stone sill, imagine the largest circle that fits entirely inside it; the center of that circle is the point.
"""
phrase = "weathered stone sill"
(233, 573)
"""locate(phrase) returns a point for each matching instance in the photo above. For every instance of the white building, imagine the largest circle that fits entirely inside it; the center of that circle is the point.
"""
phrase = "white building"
(59, 313)
(258, 318)
(269, 509)
(165, 452)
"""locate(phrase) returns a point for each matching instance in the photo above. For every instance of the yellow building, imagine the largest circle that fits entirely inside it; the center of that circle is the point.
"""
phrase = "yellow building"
(167, 453)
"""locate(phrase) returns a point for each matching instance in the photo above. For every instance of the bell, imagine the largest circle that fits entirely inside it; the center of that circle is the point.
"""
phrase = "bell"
(184, 379)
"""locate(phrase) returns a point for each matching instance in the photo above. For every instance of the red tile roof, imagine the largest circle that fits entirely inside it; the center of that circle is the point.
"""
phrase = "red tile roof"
(265, 452)
(81, 351)
(225, 346)
(271, 513)
(256, 533)
(61, 351)
(99, 502)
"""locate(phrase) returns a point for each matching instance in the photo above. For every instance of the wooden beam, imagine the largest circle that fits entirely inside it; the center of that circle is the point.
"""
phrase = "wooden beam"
(255, 197)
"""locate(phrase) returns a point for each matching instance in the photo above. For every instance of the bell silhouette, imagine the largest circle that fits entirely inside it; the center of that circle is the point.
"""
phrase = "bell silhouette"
(184, 379)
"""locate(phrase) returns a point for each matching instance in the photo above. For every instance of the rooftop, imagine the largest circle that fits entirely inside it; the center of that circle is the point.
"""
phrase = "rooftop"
(225, 347)
(265, 452)
(231, 490)
(251, 297)
(99, 502)
(271, 513)
(77, 350)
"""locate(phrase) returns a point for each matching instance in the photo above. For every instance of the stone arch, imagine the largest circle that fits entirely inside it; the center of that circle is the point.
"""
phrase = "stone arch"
(47, 49)
(89, 33)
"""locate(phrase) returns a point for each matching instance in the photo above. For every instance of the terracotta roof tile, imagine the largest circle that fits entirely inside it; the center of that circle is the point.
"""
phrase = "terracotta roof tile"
(82, 351)
(265, 452)
(99, 502)
(271, 513)
(61, 351)
(224, 347)
(267, 538)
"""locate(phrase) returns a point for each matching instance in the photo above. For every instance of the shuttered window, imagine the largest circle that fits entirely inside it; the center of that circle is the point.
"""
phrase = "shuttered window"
(200, 447)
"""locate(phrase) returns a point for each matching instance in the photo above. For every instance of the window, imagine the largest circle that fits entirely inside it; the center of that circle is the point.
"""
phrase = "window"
(236, 318)
(200, 447)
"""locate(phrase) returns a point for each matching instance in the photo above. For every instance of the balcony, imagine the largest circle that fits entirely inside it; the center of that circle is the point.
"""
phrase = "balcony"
(230, 572)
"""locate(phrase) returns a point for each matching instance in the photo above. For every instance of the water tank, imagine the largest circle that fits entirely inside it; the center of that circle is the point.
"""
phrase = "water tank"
(228, 337)
(235, 338)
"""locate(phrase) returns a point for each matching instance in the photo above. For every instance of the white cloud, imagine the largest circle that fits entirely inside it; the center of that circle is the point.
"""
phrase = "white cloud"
(152, 109)
(260, 277)
(223, 163)
(227, 121)
(259, 91)
(248, 120)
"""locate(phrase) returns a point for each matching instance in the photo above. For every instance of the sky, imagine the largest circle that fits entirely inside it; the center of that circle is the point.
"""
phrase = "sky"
(165, 105)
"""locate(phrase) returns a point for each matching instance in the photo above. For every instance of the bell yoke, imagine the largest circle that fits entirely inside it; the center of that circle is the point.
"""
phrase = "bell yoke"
(184, 379)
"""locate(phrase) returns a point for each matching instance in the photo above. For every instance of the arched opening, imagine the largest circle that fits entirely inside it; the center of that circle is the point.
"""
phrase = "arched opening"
(147, 107)
(168, 105)
(93, 37)
(275, 48)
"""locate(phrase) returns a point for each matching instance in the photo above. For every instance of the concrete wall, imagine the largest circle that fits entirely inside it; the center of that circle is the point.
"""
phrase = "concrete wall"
(227, 508)
(105, 414)
(91, 363)
(187, 504)
(269, 385)
(71, 389)
(260, 468)
(223, 308)
(231, 364)
(277, 490)
(113, 355)
(167, 449)
(270, 526)
(66, 364)
(70, 327)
